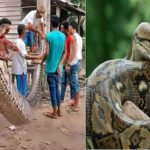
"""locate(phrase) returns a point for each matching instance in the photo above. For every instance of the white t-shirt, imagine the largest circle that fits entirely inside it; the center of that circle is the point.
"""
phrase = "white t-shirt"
(78, 49)
(31, 18)
(19, 63)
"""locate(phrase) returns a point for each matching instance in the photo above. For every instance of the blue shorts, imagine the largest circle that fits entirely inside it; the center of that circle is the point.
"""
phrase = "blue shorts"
(22, 84)
(29, 38)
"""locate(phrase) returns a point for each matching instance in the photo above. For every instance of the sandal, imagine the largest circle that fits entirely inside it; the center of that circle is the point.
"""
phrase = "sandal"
(75, 109)
(70, 105)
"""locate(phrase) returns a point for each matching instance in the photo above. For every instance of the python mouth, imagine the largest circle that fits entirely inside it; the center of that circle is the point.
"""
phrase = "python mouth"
(145, 43)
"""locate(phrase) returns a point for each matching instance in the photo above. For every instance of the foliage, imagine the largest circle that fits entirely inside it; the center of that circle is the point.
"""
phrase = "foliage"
(110, 26)
(80, 3)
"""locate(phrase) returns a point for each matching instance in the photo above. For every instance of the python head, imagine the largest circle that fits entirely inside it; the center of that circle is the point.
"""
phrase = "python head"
(140, 49)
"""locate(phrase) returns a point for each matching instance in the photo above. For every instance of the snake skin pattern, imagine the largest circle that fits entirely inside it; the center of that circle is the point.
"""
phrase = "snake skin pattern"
(108, 87)
(15, 108)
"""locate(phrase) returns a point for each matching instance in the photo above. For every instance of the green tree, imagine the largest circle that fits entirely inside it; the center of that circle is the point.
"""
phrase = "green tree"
(80, 3)
(110, 26)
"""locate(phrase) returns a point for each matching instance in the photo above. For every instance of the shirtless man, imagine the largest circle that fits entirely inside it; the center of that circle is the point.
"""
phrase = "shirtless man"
(7, 23)
(5, 44)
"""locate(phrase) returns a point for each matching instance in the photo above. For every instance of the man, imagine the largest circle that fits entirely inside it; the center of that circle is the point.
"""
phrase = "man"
(73, 66)
(34, 22)
(64, 78)
(7, 23)
(19, 64)
(55, 53)
(5, 45)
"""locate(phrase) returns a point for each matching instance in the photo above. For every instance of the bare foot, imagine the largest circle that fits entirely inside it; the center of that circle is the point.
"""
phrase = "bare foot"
(59, 113)
(51, 115)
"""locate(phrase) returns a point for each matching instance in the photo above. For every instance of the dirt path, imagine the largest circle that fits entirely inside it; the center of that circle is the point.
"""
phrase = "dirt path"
(65, 133)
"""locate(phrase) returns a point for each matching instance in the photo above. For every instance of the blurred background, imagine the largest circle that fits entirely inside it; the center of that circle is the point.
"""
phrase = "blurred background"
(110, 26)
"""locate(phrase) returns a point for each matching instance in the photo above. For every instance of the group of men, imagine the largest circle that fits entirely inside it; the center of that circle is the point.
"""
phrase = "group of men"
(62, 49)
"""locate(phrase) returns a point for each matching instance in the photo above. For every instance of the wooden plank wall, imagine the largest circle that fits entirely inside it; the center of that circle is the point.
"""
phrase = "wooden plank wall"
(11, 9)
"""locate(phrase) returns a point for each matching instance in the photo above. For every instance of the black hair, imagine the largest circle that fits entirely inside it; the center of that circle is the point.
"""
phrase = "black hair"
(74, 25)
(5, 21)
(55, 21)
(21, 28)
(65, 24)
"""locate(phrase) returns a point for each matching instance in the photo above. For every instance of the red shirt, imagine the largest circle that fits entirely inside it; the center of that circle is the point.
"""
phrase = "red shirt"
(68, 43)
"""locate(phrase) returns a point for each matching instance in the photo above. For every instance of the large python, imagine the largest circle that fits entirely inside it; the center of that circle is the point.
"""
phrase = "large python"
(13, 106)
(112, 84)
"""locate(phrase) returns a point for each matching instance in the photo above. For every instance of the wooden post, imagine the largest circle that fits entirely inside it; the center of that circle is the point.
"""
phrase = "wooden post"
(48, 14)
(79, 22)
(58, 10)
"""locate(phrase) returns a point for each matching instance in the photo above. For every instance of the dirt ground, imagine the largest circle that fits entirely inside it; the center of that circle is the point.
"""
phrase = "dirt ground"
(42, 133)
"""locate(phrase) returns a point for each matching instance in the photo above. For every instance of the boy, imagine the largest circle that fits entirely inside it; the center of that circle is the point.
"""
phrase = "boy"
(19, 65)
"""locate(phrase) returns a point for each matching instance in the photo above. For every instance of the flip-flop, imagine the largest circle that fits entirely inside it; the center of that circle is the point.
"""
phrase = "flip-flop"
(75, 109)
(68, 109)
(50, 115)
(70, 105)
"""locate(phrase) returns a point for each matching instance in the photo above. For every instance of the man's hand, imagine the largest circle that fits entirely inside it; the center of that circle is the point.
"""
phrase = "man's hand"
(58, 70)
(41, 35)
(40, 62)
(40, 59)
(29, 26)
(67, 68)
(41, 56)
(5, 58)
(34, 48)
(36, 59)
